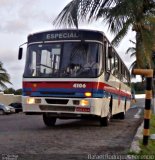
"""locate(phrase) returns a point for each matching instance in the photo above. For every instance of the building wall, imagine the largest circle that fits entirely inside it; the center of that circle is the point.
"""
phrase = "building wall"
(9, 98)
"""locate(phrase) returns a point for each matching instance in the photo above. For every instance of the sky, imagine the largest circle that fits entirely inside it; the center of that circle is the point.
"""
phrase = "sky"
(21, 18)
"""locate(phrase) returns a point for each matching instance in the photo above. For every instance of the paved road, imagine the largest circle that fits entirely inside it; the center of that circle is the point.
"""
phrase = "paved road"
(26, 137)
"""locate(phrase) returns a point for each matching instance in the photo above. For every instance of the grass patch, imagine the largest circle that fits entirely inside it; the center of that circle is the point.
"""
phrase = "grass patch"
(150, 148)
(152, 124)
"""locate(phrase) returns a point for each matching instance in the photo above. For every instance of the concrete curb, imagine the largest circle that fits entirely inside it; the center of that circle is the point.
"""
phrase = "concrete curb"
(138, 136)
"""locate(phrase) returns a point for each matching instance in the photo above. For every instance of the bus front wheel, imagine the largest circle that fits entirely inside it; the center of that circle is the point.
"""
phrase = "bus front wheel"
(104, 121)
(122, 115)
(48, 120)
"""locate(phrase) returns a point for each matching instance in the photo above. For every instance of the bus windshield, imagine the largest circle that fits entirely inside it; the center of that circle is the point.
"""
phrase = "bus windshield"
(64, 60)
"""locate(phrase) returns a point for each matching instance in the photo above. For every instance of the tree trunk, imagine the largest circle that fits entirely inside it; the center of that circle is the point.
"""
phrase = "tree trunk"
(141, 63)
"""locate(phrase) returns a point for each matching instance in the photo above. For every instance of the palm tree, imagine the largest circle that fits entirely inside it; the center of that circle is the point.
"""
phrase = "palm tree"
(132, 52)
(120, 15)
(4, 77)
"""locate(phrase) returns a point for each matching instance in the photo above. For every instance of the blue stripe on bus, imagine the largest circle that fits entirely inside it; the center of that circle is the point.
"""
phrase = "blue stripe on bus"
(77, 92)
(57, 90)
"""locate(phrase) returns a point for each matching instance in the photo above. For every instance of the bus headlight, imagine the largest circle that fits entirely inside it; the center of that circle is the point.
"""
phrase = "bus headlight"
(30, 101)
(33, 101)
(88, 94)
(84, 102)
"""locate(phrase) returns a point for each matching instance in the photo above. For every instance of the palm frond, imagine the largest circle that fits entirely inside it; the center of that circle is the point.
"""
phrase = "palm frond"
(121, 33)
(69, 15)
(133, 65)
(133, 54)
(79, 10)
(4, 77)
(132, 42)
(130, 50)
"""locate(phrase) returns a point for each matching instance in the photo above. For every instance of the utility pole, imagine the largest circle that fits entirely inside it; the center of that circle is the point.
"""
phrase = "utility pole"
(148, 73)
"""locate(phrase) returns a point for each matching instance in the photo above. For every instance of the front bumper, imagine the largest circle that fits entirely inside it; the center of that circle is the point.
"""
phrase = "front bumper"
(61, 106)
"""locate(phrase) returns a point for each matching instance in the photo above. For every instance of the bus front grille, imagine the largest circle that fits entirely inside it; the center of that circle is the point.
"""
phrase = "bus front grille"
(57, 101)
(57, 108)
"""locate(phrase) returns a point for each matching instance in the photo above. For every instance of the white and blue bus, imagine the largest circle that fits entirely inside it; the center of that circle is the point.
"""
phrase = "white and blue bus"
(74, 74)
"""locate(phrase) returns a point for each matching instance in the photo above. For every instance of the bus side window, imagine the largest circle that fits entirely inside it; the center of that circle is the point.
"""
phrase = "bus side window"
(113, 62)
(125, 77)
(106, 61)
(116, 68)
(123, 73)
(103, 58)
(107, 58)
(100, 59)
(105, 55)
(128, 78)
(120, 69)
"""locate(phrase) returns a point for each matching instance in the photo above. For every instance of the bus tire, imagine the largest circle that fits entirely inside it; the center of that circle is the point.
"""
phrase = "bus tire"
(122, 115)
(49, 121)
(104, 121)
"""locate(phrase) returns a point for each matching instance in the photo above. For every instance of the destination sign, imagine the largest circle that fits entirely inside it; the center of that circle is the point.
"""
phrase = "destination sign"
(60, 35)
(64, 35)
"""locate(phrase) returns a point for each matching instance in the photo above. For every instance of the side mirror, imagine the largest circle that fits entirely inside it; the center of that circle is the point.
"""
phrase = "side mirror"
(107, 75)
(20, 53)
